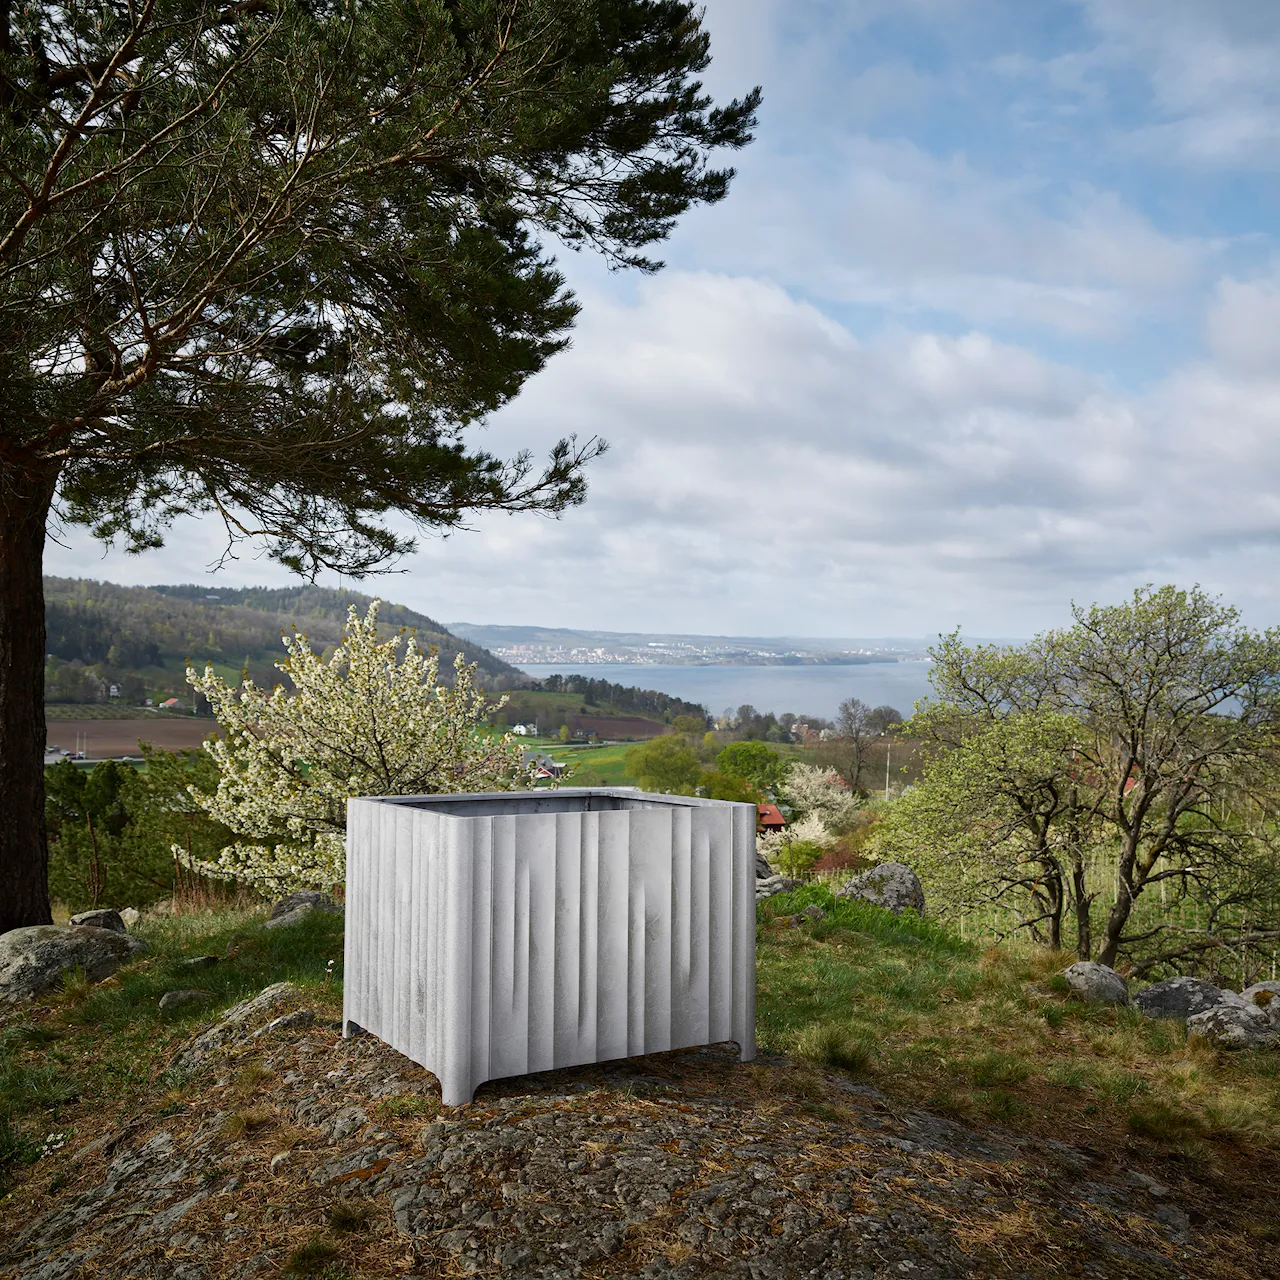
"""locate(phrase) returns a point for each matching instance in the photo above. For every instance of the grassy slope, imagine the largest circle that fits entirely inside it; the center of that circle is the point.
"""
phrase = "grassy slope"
(982, 1035)
(990, 1035)
(74, 1061)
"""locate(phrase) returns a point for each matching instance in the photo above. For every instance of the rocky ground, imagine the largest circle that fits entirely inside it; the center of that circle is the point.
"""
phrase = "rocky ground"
(283, 1149)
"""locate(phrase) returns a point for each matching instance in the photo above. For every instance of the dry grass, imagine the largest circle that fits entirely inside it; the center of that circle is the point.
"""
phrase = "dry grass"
(240, 1124)
(250, 1079)
(347, 1216)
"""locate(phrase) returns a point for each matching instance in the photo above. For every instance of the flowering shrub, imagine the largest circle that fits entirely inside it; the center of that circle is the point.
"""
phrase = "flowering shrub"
(823, 807)
(775, 846)
(367, 722)
(819, 794)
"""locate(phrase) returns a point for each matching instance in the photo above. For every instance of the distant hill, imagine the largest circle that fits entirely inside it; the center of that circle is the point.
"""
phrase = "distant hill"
(140, 639)
(529, 644)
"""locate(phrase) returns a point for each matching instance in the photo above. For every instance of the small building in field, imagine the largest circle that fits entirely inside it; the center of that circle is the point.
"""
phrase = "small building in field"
(171, 704)
(769, 818)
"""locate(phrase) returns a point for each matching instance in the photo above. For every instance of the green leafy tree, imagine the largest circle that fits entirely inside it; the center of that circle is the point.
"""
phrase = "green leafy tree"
(1147, 733)
(87, 814)
(169, 830)
(667, 764)
(270, 261)
(760, 766)
(998, 817)
(727, 786)
(113, 830)
(689, 725)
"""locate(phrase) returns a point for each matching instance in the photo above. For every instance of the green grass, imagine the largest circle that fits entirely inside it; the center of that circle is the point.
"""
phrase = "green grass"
(597, 766)
(92, 1046)
(311, 1258)
(985, 1033)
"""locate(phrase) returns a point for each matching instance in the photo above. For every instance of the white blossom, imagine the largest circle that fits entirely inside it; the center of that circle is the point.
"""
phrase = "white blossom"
(365, 723)
(809, 830)
(818, 793)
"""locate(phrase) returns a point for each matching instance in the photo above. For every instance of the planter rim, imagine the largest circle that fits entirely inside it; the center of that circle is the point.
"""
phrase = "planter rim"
(647, 798)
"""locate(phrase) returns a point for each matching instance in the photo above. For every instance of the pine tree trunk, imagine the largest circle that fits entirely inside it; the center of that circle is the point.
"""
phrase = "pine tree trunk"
(25, 494)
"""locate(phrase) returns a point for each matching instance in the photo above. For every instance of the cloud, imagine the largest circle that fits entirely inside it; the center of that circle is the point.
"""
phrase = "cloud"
(885, 223)
(1209, 66)
(772, 471)
(945, 355)
(1243, 326)
(764, 453)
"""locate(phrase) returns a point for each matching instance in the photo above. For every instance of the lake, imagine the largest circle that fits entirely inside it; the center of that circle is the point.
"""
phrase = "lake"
(804, 691)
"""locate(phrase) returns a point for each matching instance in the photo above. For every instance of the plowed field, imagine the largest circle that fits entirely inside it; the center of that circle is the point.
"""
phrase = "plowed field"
(109, 739)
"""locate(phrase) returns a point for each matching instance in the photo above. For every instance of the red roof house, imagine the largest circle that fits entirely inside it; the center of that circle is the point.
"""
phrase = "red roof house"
(769, 817)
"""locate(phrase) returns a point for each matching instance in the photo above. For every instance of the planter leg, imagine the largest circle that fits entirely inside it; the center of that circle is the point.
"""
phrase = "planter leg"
(456, 1090)
(747, 1050)
(350, 1029)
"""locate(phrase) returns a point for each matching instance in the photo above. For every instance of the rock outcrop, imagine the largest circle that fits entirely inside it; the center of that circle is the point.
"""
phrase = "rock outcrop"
(238, 1022)
(32, 960)
(103, 918)
(574, 1173)
(298, 906)
(891, 885)
(1096, 983)
(1183, 998)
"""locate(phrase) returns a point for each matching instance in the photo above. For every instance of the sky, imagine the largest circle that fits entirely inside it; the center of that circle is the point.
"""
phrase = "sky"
(989, 322)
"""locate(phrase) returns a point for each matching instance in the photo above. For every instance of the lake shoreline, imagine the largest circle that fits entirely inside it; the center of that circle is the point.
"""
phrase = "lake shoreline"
(813, 690)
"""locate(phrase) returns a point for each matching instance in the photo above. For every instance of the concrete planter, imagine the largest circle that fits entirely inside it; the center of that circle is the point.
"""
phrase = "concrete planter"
(496, 935)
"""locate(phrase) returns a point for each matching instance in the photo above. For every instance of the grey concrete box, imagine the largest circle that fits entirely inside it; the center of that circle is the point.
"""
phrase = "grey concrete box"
(496, 935)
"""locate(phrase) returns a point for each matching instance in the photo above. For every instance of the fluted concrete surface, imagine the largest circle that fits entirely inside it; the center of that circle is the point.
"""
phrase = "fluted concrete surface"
(495, 935)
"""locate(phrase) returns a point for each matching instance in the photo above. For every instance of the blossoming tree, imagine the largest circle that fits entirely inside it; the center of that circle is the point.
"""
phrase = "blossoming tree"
(366, 722)
(822, 807)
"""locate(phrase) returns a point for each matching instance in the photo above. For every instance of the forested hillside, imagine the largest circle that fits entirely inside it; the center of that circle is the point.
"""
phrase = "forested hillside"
(140, 639)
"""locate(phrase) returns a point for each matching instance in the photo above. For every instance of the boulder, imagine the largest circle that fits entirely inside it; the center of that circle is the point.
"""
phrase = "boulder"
(774, 884)
(1265, 996)
(1269, 991)
(1096, 983)
(34, 959)
(1234, 1026)
(103, 918)
(1183, 998)
(891, 885)
(130, 916)
(763, 869)
(298, 906)
(177, 999)
(311, 899)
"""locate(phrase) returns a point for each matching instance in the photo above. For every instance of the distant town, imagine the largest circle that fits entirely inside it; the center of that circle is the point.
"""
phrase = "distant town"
(536, 646)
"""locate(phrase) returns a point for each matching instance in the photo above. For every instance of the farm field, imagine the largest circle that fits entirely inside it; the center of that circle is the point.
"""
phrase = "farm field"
(110, 739)
(550, 710)
(595, 766)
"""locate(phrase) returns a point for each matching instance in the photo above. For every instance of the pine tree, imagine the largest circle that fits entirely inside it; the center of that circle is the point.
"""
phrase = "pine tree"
(271, 260)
